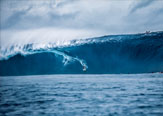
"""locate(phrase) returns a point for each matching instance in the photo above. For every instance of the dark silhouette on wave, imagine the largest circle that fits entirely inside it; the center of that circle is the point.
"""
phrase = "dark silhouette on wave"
(134, 53)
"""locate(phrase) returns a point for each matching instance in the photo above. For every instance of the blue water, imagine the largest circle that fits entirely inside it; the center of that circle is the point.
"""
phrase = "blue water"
(82, 95)
(113, 54)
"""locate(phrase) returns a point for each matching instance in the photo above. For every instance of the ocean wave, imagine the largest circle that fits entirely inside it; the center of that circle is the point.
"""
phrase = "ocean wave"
(134, 53)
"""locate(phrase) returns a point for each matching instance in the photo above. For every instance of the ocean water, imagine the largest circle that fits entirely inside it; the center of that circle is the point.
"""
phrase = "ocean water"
(136, 53)
(82, 95)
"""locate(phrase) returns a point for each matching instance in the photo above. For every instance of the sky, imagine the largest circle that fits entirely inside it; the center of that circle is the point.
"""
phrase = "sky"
(33, 21)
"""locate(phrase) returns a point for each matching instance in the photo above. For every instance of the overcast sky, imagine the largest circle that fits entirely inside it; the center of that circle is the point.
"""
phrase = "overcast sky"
(72, 19)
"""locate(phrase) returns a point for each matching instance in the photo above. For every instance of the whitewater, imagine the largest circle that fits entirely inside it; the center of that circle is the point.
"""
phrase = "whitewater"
(112, 54)
(100, 76)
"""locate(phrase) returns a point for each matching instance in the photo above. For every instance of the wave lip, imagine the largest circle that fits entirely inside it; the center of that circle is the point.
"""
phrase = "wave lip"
(135, 53)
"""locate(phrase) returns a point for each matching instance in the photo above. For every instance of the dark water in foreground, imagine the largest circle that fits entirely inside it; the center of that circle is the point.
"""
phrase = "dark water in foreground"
(82, 95)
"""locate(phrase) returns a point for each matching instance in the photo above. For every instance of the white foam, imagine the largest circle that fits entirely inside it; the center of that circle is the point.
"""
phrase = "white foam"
(43, 36)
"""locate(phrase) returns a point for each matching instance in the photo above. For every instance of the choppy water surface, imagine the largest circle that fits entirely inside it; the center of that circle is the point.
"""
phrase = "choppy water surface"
(82, 95)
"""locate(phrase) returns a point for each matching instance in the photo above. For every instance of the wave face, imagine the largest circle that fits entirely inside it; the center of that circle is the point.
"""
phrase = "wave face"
(114, 54)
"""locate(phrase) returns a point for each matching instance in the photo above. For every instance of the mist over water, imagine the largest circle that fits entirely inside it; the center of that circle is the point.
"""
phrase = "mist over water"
(81, 58)
(114, 54)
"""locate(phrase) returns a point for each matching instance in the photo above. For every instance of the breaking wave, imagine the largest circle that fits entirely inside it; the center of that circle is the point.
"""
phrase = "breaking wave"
(135, 53)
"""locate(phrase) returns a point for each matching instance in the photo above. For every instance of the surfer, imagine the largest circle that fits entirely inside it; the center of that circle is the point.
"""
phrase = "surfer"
(84, 68)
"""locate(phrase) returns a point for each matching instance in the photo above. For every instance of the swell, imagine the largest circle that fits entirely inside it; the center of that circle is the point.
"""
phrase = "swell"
(139, 53)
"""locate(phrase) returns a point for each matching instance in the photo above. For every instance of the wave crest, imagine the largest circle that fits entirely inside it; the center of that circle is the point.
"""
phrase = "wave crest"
(139, 53)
